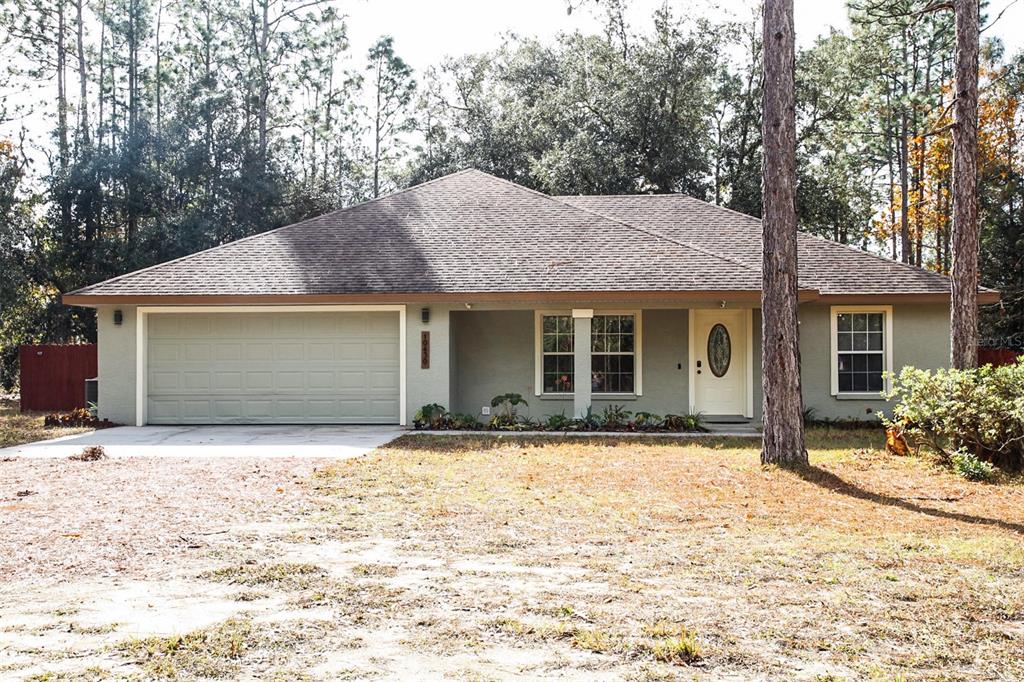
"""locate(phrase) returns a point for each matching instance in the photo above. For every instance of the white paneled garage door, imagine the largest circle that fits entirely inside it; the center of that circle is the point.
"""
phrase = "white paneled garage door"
(274, 367)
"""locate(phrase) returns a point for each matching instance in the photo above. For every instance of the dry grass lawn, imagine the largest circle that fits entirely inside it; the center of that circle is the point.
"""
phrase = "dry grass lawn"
(17, 428)
(485, 558)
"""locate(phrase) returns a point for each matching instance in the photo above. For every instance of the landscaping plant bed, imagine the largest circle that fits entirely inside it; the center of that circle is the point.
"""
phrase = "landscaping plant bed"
(507, 418)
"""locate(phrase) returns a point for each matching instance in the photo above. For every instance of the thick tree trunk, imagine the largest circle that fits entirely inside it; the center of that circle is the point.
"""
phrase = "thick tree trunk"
(783, 408)
(964, 271)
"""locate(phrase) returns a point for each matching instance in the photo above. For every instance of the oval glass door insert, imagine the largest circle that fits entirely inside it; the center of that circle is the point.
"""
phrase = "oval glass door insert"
(719, 350)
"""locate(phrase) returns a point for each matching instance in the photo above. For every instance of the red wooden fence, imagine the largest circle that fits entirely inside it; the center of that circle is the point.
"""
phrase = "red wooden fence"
(997, 356)
(53, 377)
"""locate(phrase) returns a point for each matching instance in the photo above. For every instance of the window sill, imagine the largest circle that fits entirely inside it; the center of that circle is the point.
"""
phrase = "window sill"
(593, 396)
(858, 396)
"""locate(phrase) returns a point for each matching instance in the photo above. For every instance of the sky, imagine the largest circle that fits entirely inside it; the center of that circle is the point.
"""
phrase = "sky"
(425, 31)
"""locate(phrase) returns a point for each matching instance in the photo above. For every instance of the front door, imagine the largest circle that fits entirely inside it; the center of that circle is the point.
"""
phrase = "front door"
(720, 358)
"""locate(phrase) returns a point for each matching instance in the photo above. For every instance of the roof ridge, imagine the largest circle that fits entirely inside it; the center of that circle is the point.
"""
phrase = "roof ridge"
(558, 199)
(272, 231)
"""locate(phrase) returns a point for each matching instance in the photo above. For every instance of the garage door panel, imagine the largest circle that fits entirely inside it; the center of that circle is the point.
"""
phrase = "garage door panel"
(226, 381)
(351, 352)
(382, 408)
(227, 352)
(260, 410)
(321, 380)
(199, 410)
(198, 326)
(320, 351)
(196, 352)
(261, 352)
(273, 367)
(384, 351)
(195, 381)
(166, 411)
(259, 381)
(258, 326)
(163, 352)
(287, 352)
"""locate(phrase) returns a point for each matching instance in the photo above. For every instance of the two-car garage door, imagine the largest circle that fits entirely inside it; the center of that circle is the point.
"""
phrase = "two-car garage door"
(273, 367)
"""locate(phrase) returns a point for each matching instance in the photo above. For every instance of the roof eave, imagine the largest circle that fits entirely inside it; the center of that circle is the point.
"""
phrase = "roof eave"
(709, 295)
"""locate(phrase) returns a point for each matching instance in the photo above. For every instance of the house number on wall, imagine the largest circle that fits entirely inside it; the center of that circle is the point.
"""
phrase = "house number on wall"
(424, 350)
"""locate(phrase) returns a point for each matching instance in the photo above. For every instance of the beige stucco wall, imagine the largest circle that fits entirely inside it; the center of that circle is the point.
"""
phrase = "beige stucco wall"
(477, 354)
(496, 354)
(920, 338)
(116, 364)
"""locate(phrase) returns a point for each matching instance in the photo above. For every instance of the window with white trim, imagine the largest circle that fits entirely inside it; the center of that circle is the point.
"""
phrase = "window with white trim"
(613, 354)
(557, 348)
(860, 345)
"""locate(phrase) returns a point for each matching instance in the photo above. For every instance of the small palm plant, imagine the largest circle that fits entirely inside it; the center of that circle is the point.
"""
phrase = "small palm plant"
(506, 409)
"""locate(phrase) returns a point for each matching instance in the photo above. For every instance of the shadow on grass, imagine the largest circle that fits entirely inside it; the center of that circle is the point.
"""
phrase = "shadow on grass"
(827, 479)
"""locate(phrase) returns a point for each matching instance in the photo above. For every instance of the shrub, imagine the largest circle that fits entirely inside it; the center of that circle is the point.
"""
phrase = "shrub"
(976, 411)
(506, 410)
(464, 422)
(558, 422)
(970, 467)
(431, 416)
(77, 418)
(614, 417)
(690, 421)
(646, 421)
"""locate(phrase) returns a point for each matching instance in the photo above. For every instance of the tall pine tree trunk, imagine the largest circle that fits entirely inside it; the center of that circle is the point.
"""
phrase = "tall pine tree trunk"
(964, 271)
(783, 407)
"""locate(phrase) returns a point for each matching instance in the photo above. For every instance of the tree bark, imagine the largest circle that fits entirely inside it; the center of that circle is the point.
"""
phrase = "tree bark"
(783, 436)
(83, 78)
(904, 162)
(964, 270)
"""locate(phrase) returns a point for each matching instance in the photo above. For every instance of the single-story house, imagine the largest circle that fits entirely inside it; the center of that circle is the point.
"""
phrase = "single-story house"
(470, 286)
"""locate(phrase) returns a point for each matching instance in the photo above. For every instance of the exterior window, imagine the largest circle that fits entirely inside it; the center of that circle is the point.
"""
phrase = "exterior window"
(557, 353)
(860, 345)
(612, 354)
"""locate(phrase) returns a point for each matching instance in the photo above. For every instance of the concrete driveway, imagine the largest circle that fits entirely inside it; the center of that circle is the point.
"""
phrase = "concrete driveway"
(217, 441)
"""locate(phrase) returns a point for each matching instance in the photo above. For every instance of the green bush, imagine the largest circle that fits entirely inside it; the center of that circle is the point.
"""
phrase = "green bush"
(970, 467)
(431, 416)
(691, 421)
(614, 417)
(464, 422)
(506, 411)
(558, 422)
(976, 411)
(646, 421)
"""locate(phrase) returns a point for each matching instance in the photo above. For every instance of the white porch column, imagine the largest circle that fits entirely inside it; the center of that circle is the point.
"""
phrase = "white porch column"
(581, 318)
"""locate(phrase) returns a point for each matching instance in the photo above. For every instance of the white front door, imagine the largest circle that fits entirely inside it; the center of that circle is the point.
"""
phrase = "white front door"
(719, 355)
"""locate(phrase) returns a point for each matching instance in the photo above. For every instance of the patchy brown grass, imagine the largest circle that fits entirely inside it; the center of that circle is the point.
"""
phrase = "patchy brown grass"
(861, 565)
(491, 557)
(17, 428)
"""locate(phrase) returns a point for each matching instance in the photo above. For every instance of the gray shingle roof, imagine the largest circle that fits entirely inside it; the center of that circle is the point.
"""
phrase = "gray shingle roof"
(471, 232)
(827, 266)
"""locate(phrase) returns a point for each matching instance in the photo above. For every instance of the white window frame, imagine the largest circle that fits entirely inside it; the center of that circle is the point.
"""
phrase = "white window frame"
(538, 359)
(538, 323)
(887, 344)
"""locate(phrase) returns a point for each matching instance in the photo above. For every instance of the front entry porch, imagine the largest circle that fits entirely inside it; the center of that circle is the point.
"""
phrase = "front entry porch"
(574, 360)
